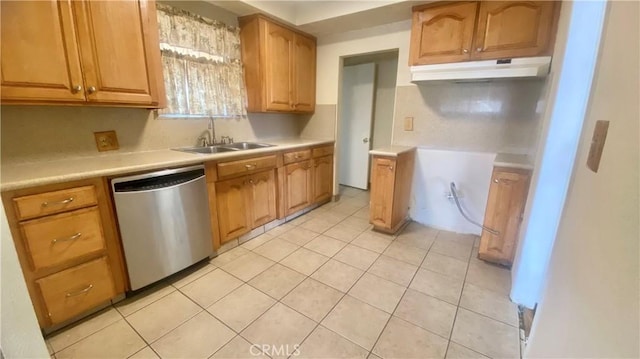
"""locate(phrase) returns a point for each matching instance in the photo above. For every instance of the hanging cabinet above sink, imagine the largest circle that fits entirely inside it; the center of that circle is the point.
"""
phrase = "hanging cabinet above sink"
(279, 66)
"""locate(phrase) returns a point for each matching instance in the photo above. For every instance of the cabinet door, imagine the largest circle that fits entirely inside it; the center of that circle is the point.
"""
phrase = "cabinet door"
(322, 178)
(442, 34)
(261, 188)
(40, 60)
(233, 211)
(514, 29)
(114, 41)
(298, 191)
(507, 196)
(383, 175)
(278, 60)
(305, 74)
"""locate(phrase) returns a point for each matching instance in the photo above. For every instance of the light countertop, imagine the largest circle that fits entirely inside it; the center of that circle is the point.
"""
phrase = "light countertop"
(41, 173)
(512, 161)
(391, 151)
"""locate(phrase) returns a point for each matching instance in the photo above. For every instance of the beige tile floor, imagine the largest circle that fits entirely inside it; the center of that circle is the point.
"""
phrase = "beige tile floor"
(326, 282)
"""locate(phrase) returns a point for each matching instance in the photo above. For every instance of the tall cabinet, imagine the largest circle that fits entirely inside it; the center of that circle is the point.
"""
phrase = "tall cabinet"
(81, 52)
(279, 66)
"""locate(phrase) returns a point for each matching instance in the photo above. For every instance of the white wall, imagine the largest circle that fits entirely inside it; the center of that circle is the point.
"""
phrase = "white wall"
(590, 303)
(434, 171)
(386, 70)
(375, 39)
(21, 337)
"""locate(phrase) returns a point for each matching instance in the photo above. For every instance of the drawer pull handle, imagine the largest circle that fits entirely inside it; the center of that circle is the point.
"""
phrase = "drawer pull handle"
(82, 291)
(71, 238)
(251, 166)
(64, 201)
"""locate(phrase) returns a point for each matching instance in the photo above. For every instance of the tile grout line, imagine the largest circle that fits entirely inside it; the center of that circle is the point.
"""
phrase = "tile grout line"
(399, 301)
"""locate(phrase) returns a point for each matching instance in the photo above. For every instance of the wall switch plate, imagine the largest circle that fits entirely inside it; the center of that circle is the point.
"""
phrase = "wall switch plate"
(408, 123)
(597, 145)
(106, 141)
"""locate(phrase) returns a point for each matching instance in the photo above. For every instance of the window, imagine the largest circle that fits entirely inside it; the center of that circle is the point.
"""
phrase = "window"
(201, 64)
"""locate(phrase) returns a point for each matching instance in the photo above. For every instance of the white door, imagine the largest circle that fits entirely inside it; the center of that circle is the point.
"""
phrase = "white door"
(356, 116)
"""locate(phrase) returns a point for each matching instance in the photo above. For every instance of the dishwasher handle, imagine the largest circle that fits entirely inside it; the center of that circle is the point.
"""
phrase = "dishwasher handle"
(157, 180)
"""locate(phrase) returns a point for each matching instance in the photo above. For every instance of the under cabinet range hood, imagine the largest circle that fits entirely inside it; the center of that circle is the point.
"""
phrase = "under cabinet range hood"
(480, 70)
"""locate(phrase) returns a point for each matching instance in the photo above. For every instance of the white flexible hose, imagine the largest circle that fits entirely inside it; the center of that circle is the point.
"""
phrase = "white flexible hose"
(455, 198)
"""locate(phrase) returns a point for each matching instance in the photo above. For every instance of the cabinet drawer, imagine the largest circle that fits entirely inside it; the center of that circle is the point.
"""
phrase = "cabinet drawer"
(296, 156)
(322, 151)
(75, 290)
(250, 165)
(42, 204)
(57, 239)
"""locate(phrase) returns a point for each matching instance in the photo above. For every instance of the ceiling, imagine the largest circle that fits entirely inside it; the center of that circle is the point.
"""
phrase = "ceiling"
(325, 17)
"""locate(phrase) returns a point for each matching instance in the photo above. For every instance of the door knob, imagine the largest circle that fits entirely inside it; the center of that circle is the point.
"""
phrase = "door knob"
(76, 89)
(91, 89)
(365, 140)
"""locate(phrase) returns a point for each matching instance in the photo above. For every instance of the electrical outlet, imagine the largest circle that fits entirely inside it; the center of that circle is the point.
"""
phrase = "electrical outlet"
(408, 123)
(106, 141)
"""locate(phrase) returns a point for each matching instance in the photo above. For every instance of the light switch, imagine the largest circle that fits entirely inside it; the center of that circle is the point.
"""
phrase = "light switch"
(597, 145)
(408, 123)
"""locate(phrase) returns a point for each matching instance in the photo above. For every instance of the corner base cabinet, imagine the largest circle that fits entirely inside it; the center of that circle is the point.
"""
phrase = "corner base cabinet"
(391, 178)
(507, 197)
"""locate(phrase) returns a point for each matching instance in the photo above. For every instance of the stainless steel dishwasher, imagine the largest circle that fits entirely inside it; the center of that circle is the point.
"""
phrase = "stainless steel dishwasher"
(164, 222)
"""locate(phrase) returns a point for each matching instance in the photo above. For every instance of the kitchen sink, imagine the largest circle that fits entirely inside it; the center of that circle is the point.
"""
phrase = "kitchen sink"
(232, 147)
(247, 145)
(207, 149)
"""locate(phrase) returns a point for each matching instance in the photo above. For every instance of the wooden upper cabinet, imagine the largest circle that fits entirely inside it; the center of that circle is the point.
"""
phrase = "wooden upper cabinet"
(505, 205)
(482, 30)
(95, 52)
(514, 29)
(279, 66)
(443, 33)
(305, 74)
(40, 60)
(113, 48)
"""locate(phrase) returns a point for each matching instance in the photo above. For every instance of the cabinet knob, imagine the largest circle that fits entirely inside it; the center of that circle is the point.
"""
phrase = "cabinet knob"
(496, 181)
(365, 140)
(76, 89)
(91, 89)
(390, 168)
(479, 49)
(465, 51)
(251, 181)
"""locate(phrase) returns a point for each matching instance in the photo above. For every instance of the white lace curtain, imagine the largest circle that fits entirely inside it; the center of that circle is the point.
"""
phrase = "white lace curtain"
(201, 64)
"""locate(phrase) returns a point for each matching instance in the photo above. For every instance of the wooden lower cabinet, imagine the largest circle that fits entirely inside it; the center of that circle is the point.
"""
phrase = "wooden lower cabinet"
(390, 190)
(233, 209)
(298, 180)
(322, 178)
(250, 192)
(77, 289)
(261, 190)
(68, 246)
(507, 199)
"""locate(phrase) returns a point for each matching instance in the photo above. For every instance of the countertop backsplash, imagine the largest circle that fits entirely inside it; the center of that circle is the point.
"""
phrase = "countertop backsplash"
(41, 133)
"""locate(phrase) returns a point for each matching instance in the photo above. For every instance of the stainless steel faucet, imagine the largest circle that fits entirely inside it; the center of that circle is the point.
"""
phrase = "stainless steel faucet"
(210, 138)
